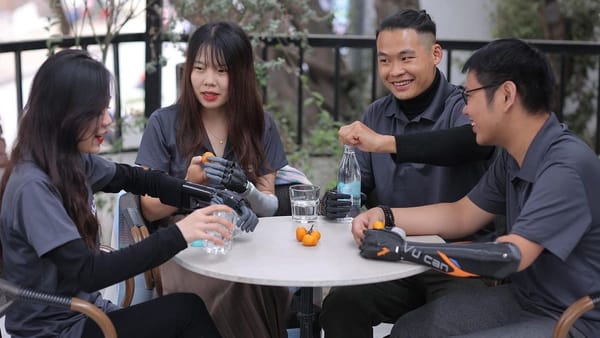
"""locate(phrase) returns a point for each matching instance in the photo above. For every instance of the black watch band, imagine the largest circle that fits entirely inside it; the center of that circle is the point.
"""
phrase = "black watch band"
(389, 216)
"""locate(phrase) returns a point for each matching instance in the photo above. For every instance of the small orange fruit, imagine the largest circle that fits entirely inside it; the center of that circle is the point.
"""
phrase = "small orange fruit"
(316, 234)
(206, 155)
(378, 225)
(300, 232)
(309, 240)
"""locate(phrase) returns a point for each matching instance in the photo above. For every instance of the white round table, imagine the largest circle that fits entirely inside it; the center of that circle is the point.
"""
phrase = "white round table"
(271, 255)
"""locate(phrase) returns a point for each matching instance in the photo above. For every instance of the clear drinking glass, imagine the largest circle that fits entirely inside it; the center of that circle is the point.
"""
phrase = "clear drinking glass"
(304, 199)
(215, 249)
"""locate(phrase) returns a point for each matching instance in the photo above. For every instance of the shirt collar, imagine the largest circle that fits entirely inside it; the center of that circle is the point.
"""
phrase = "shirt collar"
(435, 108)
(538, 148)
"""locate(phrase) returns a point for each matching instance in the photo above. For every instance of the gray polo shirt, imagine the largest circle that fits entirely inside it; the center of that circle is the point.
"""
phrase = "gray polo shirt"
(414, 184)
(34, 222)
(158, 149)
(551, 200)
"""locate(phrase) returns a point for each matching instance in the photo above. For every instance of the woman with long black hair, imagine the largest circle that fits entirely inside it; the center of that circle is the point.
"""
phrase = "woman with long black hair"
(49, 230)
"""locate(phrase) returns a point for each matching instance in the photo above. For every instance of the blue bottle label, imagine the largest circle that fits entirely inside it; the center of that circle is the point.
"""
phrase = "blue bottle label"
(352, 188)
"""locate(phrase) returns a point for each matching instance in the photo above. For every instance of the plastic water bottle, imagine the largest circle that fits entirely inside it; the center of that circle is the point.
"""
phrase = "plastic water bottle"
(349, 181)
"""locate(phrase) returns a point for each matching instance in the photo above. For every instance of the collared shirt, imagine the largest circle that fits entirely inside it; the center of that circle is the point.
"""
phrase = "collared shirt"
(551, 200)
(415, 184)
(158, 148)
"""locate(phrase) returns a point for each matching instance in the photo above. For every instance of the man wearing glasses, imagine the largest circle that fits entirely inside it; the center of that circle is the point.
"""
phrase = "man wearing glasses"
(545, 180)
(436, 159)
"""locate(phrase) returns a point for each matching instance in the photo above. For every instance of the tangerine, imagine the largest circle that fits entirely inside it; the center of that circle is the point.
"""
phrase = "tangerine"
(206, 155)
(300, 232)
(316, 234)
(309, 240)
(378, 225)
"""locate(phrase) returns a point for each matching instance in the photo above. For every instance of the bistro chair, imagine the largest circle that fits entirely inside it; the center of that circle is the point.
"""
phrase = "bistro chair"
(129, 228)
(10, 292)
(572, 313)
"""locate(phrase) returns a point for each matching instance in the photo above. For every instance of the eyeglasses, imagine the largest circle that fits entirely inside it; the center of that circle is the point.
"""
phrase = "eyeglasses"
(465, 93)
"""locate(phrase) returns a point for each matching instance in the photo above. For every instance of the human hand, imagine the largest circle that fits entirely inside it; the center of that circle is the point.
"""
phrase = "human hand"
(382, 244)
(364, 221)
(227, 173)
(195, 172)
(196, 225)
(334, 204)
(357, 134)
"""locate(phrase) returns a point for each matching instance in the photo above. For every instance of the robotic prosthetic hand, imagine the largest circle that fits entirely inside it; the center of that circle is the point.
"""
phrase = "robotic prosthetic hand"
(336, 205)
(227, 173)
(231, 176)
(492, 259)
(197, 196)
(178, 192)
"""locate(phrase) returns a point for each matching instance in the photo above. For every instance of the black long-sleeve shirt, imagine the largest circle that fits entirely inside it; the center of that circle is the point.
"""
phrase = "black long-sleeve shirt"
(81, 268)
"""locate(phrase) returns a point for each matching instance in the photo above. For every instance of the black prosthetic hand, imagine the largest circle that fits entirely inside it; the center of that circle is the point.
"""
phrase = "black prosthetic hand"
(196, 194)
(334, 204)
(492, 259)
(226, 173)
(178, 192)
(247, 218)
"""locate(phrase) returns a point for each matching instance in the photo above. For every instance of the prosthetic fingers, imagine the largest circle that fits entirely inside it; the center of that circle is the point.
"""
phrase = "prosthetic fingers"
(336, 205)
(227, 173)
(231, 176)
(199, 196)
(178, 192)
(492, 259)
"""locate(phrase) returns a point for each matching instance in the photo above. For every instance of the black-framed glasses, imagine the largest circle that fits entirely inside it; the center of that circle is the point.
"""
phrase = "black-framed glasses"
(465, 93)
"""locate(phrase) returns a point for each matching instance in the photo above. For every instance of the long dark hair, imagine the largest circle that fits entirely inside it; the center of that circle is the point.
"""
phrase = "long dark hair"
(69, 93)
(229, 47)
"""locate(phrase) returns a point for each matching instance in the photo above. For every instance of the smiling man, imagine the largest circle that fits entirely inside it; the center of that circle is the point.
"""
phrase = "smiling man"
(545, 180)
(429, 166)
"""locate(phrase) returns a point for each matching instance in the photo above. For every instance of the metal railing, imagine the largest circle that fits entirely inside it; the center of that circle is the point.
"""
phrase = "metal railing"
(152, 84)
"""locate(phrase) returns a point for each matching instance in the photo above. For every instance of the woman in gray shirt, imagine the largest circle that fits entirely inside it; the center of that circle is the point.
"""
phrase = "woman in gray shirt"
(48, 226)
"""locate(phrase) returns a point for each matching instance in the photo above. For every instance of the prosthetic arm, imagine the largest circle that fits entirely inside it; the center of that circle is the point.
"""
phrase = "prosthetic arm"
(492, 259)
(232, 177)
(178, 192)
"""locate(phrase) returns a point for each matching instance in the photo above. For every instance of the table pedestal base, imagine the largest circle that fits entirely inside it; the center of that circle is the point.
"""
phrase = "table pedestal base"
(306, 313)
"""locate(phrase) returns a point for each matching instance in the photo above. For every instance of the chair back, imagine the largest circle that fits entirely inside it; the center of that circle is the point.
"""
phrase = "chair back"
(129, 228)
(282, 192)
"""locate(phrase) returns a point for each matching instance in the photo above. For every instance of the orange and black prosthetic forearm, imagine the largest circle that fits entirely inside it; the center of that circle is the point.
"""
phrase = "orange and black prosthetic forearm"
(492, 259)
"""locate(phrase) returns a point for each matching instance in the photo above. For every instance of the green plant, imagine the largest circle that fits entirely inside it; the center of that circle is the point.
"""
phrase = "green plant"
(321, 142)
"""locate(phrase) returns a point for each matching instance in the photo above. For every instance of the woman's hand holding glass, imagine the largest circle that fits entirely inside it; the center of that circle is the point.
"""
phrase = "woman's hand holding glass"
(198, 225)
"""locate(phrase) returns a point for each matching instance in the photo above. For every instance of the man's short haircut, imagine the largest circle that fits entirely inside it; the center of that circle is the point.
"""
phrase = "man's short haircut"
(409, 19)
(517, 61)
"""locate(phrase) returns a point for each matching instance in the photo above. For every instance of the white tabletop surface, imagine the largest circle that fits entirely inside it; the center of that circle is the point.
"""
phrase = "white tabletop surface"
(271, 255)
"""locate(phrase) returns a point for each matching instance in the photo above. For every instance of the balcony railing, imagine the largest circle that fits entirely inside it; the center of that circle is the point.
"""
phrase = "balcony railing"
(153, 85)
